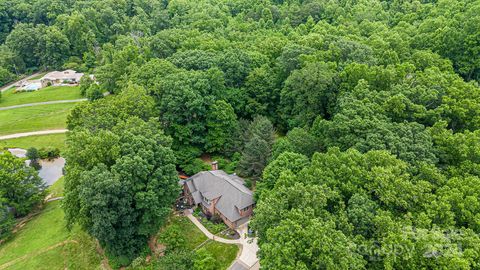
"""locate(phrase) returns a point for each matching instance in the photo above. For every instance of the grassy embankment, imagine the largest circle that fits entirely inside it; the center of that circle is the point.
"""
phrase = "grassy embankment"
(34, 118)
(52, 140)
(53, 93)
(45, 243)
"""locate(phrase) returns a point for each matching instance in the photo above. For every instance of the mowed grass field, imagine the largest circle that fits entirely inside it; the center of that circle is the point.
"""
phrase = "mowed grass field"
(35, 118)
(45, 243)
(52, 93)
(40, 141)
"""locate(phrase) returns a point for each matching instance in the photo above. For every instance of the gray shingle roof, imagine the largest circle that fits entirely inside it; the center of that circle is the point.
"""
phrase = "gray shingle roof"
(213, 184)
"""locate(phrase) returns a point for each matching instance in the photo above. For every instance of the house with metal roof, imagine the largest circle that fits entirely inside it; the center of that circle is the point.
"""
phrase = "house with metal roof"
(222, 194)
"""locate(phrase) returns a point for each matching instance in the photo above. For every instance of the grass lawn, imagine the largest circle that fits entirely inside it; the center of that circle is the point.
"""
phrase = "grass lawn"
(39, 76)
(225, 254)
(57, 188)
(45, 243)
(34, 118)
(52, 93)
(40, 141)
(194, 236)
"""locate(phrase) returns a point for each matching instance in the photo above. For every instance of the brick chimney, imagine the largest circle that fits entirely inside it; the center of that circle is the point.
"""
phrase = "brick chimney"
(214, 165)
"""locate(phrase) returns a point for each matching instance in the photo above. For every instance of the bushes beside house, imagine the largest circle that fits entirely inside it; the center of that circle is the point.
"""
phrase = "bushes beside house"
(214, 224)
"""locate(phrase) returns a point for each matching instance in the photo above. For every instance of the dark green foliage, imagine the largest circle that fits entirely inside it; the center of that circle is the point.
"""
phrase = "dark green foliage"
(194, 166)
(106, 113)
(120, 183)
(221, 128)
(257, 149)
(5, 77)
(33, 153)
(94, 92)
(49, 153)
(184, 99)
(7, 222)
(85, 83)
(386, 92)
(34, 156)
(308, 93)
(20, 186)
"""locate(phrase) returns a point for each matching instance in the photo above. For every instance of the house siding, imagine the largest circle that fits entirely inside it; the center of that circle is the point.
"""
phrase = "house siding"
(188, 195)
(209, 208)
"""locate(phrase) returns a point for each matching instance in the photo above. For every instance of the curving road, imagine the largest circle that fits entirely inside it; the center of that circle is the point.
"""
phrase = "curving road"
(33, 133)
(42, 103)
(8, 86)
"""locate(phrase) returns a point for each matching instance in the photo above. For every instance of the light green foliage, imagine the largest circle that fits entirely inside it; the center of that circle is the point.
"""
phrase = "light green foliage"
(85, 83)
(173, 238)
(204, 260)
(107, 112)
(287, 161)
(366, 208)
(94, 92)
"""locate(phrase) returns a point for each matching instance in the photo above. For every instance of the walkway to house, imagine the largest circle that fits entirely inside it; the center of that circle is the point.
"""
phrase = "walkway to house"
(42, 103)
(33, 133)
(248, 256)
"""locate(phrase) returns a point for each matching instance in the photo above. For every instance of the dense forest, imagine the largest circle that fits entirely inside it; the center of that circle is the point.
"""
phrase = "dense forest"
(356, 122)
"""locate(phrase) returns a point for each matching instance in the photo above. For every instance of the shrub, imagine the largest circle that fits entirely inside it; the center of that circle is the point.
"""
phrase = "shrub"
(173, 238)
(49, 153)
(194, 166)
(204, 260)
(6, 222)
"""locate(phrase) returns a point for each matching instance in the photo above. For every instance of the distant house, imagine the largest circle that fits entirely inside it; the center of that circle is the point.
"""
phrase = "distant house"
(218, 193)
(66, 77)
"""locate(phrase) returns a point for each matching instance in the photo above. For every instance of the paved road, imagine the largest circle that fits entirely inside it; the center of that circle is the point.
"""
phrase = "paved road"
(42, 103)
(6, 87)
(33, 133)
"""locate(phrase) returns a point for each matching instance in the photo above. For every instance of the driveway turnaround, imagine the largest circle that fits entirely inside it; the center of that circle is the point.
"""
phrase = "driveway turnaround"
(33, 133)
(42, 103)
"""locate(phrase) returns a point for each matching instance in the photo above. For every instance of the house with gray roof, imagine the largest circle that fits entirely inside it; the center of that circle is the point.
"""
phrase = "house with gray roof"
(222, 194)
